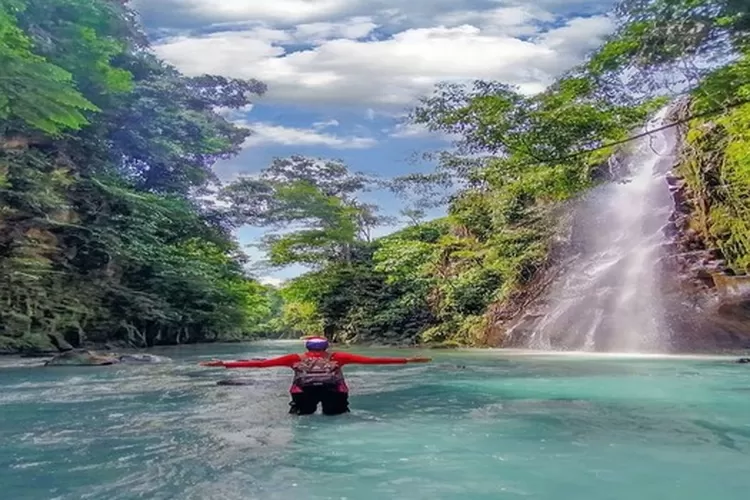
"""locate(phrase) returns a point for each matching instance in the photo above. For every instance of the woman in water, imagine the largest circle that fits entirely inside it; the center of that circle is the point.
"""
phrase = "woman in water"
(318, 377)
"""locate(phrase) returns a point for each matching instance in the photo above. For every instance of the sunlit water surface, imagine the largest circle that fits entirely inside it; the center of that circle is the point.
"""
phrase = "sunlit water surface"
(472, 425)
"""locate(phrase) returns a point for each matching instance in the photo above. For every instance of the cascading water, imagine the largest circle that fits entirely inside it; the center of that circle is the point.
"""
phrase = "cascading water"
(608, 299)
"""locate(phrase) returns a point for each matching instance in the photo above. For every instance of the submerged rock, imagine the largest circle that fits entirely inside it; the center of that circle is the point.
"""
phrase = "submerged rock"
(140, 359)
(83, 357)
(235, 381)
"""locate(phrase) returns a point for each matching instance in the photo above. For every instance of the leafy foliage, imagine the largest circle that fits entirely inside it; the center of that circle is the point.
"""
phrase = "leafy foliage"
(717, 172)
(667, 47)
(103, 154)
(32, 90)
(314, 201)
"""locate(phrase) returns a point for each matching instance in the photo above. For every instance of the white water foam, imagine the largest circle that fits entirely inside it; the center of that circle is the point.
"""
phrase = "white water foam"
(609, 299)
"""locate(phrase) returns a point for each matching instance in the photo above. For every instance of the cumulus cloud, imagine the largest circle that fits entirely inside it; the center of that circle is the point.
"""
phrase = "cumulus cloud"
(185, 12)
(325, 124)
(376, 54)
(267, 134)
(409, 131)
(415, 13)
(389, 72)
(317, 33)
(227, 53)
(512, 20)
(307, 34)
(234, 113)
(580, 34)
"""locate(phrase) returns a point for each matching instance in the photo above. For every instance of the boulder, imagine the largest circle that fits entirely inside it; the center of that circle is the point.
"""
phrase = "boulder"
(142, 359)
(84, 357)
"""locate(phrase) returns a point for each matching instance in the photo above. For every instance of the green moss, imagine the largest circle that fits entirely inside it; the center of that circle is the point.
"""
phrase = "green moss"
(716, 168)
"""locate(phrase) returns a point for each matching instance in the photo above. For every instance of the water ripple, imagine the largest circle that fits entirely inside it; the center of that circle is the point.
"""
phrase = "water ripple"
(472, 425)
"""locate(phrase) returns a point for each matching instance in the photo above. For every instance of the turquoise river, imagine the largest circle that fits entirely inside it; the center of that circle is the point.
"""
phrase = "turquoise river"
(471, 425)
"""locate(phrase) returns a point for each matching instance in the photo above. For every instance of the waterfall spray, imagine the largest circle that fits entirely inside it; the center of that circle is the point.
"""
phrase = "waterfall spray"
(609, 298)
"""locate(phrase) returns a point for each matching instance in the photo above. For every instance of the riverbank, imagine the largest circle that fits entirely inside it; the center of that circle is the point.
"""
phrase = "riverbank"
(47, 349)
(296, 345)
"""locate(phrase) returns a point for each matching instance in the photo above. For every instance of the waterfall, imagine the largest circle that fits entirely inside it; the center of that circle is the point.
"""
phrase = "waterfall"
(608, 299)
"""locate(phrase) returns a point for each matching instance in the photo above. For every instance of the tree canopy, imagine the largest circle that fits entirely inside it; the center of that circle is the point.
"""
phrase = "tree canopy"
(104, 151)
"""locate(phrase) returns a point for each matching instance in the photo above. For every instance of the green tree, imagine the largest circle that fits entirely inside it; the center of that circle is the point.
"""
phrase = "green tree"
(312, 204)
(105, 154)
(33, 92)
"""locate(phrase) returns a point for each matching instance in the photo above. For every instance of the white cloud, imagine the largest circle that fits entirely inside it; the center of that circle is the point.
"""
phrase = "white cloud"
(409, 131)
(396, 13)
(579, 34)
(317, 33)
(513, 20)
(234, 113)
(325, 124)
(291, 11)
(272, 281)
(301, 34)
(390, 72)
(226, 53)
(266, 133)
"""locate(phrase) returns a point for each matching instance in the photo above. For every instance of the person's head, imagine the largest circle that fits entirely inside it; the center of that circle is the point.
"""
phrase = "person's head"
(317, 344)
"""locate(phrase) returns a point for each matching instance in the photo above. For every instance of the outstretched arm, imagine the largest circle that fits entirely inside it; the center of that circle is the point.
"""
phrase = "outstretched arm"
(288, 361)
(345, 358)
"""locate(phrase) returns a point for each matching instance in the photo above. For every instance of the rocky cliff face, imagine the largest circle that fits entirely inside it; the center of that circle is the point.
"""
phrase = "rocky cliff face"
(709, 297)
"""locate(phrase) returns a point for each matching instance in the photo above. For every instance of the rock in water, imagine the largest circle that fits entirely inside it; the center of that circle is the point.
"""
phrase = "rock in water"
(82, 357)
(142, 359)
(744, 361)
(235, 381)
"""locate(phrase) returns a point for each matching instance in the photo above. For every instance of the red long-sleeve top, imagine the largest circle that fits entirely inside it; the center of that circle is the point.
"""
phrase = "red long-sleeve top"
(289, 360)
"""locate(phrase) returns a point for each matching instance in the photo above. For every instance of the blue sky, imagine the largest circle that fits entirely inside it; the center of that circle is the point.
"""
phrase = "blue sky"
(342, 73)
